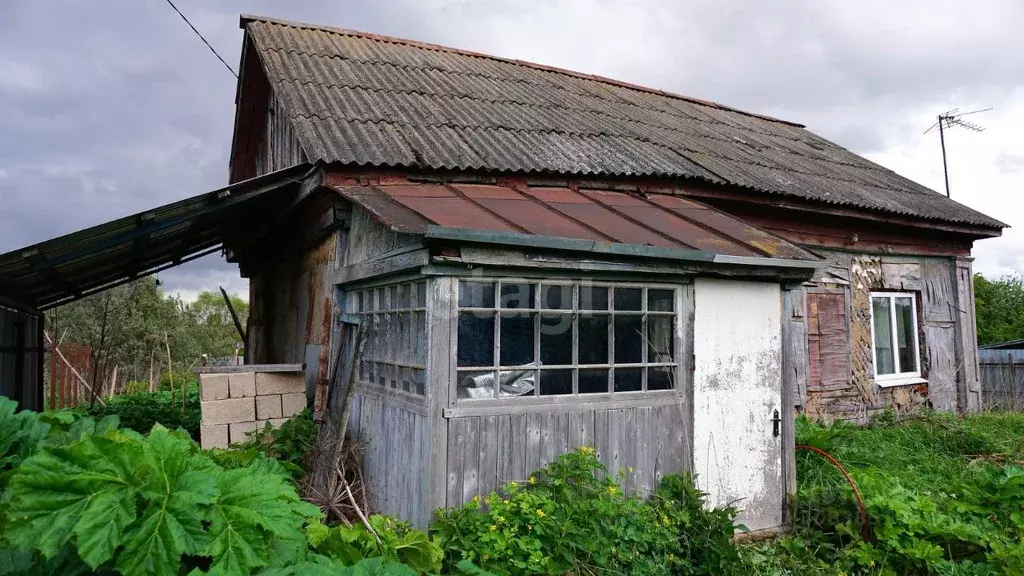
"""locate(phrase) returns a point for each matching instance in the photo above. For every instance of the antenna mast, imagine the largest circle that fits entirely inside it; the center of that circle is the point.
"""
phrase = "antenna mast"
(949, 119)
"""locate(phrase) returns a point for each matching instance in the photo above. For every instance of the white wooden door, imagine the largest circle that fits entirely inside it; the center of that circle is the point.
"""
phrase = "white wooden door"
(737, 396)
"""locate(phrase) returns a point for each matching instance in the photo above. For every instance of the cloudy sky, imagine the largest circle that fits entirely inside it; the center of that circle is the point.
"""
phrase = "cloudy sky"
(109, 107)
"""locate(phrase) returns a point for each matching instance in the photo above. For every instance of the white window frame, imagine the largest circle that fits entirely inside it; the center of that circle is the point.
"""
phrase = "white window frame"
(899, 377)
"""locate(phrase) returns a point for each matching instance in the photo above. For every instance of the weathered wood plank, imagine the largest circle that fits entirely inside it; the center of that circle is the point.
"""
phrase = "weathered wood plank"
(439, 375)
(534, 425)
(520, 446)
(457, 439)
(488, 472)
(574, 430)
(504, 443)
(471, 460)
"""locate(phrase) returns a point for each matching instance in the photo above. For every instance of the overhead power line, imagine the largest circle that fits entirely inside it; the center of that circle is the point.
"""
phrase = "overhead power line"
(203, 39)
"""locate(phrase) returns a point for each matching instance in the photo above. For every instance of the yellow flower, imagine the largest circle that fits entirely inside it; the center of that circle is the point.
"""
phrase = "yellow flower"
(476, 499)
(485, 556)
(612, 489)
(629, 469)
(493, 527)
(529, 527)
(540, 513)
(533, 480)
(500, 519)
(513, 484)
(505, 501)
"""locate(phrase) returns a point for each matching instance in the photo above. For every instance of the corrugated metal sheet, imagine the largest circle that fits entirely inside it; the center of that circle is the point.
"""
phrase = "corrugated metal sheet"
(598, 215)
(362, 99)
(69, 267)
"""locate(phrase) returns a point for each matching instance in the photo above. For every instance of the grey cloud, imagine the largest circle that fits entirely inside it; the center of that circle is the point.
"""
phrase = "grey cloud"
(107, 108)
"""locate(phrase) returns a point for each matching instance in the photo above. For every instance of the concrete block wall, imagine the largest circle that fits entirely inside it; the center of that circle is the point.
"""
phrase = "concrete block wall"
(235, 403)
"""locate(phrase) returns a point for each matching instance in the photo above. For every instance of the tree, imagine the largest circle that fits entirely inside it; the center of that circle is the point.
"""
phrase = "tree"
(999, 306)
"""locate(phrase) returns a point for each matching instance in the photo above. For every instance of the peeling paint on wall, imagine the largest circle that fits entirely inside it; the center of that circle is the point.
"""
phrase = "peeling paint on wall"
(737, 389)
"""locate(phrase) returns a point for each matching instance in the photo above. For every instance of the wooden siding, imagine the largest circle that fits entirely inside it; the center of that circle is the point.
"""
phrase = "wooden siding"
(643, 443)
(946, 334)
(396, 457)
(279, 148)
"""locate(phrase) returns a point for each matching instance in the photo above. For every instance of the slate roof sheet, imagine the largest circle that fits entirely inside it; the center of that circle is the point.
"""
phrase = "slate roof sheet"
(367, 100)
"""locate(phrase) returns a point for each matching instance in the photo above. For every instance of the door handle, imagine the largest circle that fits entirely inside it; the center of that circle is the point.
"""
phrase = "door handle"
(776, 421)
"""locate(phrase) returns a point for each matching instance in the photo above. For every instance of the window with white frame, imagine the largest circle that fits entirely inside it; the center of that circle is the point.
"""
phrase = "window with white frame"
(395, 353)
(894, 330)
(547, 338)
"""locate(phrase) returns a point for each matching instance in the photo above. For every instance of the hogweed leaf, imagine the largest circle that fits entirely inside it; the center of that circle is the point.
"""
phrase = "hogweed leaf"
(79, 489)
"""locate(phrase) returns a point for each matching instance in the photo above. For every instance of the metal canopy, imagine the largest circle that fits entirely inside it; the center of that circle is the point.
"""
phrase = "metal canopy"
(75, 265)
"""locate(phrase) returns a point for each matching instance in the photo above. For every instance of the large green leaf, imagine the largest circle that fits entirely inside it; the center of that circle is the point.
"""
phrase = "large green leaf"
(251, 506)
(85, 489)
(321, 566)
(178, 484)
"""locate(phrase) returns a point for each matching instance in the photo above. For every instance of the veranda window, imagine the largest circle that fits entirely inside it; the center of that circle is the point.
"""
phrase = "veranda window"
(565, 338)
(894, 328)
(395, 353)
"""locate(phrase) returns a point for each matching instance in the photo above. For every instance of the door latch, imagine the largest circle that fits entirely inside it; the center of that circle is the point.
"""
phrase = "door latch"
(775, 424)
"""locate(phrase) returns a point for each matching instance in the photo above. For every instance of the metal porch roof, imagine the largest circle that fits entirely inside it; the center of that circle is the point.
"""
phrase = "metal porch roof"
(75, 265)
(666, 224)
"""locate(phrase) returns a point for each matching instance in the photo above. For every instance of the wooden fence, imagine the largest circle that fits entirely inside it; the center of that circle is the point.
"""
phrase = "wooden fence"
(64, 388)
(1002, 379)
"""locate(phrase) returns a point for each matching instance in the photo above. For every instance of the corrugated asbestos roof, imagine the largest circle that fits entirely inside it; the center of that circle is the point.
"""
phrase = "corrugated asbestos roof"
(75, 265)
(362, 99)
(601, 216)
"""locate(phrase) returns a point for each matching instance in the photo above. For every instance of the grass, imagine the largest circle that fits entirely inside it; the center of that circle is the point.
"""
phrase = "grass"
(918, 468)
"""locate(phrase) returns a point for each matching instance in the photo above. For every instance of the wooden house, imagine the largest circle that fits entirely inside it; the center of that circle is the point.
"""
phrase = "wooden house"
(552, 259)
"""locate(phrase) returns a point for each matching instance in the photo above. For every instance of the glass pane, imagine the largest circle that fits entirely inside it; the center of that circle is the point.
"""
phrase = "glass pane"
(419, 381)
(368, 299)
(554, 382)
(371, 372)
(628, 298)
(382, 374)
(660, 378)
(393, 297)
(883, 336)
(476, 295)
(593, 298)
(476, 339)
(421, 294)
(360, 302)
(516, 339)
(406, 379)
(661, 300)
(517, 295)
(420, 338)
(594, 381)
(660, 339)
(382, 299)
(905, 334)
(404, 300)
(555, 339)
(476, 385)
(628, 379)
(628, 339)
(593, 339)
(557, 297)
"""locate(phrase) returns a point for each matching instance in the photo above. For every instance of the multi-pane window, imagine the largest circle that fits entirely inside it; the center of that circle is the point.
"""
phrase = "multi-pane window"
(894, 329)
(563, 338)
(395, 354)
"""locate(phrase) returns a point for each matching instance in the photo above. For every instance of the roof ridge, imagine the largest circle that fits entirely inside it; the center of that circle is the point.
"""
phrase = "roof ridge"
(245, 19)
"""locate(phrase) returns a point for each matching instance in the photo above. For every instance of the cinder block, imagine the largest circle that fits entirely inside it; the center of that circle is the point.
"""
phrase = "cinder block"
(213, 436)
(243, 384)
(268, 407)
(228, 411)
(213, 386)
(239, 430)
(280, 383)
(292, 404)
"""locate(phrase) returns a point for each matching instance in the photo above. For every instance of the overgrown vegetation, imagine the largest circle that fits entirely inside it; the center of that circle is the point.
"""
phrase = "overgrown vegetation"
(999, 306)
(142, 410)
(572, 518)
(944, 496)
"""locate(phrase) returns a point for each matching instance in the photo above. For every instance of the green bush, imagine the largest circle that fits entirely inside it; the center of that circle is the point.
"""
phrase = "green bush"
(141, 411)
(572, 517)
(136, 387)
(188, 378)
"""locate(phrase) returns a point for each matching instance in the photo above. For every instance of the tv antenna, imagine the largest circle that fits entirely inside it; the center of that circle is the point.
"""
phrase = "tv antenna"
(950, 119)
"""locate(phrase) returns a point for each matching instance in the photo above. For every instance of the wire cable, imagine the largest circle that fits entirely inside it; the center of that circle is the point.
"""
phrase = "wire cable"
(203, 39)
